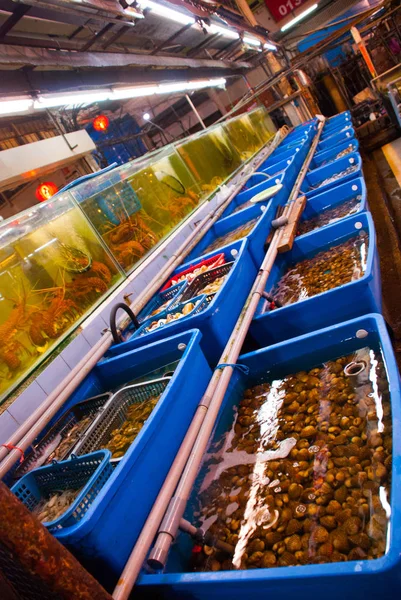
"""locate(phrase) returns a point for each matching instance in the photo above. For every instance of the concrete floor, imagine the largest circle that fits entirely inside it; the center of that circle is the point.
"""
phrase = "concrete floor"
(384, 197)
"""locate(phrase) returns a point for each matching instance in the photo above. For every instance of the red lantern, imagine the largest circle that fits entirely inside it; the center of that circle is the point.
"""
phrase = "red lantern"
(46, 190)
(101, 123)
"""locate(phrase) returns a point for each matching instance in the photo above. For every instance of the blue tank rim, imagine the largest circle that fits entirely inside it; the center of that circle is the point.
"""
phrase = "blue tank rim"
(366, 277)
(348, 569)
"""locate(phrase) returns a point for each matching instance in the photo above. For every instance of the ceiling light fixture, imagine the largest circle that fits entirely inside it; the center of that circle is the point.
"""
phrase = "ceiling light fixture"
(70, 99)
(251, 41)
(146, 117)
(270, 46)
(9, 107)
(301, 16)
(134, 92)
(229, 33)
(168, 13)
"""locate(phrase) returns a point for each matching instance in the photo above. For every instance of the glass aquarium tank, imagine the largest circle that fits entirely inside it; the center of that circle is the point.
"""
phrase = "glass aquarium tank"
(165, 188)
(116, 212)
(210, 157)
(243, 136)
(262, 123)
(53, 270)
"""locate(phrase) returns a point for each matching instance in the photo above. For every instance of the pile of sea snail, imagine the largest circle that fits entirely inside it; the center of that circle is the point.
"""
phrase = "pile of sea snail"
(238, 233)
(330, 215)
(334, 177)
(324, 271)
(323, 502)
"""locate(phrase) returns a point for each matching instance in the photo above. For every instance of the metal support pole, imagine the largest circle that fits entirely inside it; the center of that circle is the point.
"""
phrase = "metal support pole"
(192, 105)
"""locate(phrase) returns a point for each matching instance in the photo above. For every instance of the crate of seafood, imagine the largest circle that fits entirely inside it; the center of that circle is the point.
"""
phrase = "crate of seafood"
(123, 418)
(301, 477)
(253, 223)
(333, 205)
(207, 283)
(59, 441)
(181, 311)
(129, 493)
(220, 307)
(163, 301)
(190, 272)
(334, 174)
(329, 276)
(334, 140)
(326, 157)
(60, 494)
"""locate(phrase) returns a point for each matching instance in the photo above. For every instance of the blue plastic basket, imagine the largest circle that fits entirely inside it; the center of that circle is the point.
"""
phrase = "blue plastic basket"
(349, 166)
(264, 211)
(169, 296)
(321, 159)
(216, 322)
(104, 538)
(200, 301)
(334, 140)
(359, 580)
(334, 197)
(339, 304)
(89, 473)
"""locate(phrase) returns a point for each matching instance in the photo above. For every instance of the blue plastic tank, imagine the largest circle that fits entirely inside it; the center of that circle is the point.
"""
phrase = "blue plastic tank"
(346, 168)
(357, 580)
(103, 539)
(338, 304)
(216, 322)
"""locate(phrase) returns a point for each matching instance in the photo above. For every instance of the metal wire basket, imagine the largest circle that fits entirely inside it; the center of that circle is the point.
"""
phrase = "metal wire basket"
(199, 283)
(115, 413)
(59, 432)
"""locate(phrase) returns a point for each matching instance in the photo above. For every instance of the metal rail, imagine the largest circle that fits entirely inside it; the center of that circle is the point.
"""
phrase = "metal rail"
(185, 467)
(31, 428)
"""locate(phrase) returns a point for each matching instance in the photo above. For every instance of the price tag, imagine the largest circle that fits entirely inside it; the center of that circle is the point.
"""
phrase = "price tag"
(280, 9)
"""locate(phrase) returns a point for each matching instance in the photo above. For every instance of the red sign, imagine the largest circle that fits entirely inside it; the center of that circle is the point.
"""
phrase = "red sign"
(101, 123)
(280, 9)
(46, 190)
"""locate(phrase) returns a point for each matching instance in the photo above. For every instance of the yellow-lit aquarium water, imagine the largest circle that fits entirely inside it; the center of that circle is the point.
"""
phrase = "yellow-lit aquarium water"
(116, 213)
(165, 188)
(210, 157)
(262, 123)
(53, 270)
(243, 136)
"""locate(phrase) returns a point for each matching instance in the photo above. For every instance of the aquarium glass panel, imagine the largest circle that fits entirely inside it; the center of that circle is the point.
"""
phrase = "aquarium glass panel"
(242, 134)
(53, 271)
(210, 157)
(262, 123)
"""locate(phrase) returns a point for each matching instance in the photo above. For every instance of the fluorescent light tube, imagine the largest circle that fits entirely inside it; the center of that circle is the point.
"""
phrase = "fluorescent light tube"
(301, 16)
(8, 107)
(269, 46)
(168, 13)
(251, 41)
(135, 92)
(71, 99)
(229, 33)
